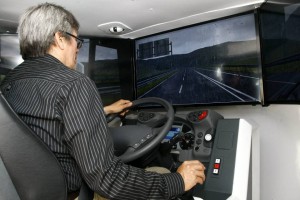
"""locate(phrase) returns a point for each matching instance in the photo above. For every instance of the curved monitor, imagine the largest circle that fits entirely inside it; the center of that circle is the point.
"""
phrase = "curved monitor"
(211, 63)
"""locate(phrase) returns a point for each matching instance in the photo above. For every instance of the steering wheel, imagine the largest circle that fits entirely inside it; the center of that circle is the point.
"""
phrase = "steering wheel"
(111, 117)
(133, 141)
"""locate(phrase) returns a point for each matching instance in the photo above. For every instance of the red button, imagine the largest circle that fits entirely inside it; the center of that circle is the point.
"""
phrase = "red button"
(216, 166)
(202, 115)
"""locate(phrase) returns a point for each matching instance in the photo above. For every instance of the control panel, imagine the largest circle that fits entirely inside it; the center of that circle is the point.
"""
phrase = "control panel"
(204, 123)
(229, 168)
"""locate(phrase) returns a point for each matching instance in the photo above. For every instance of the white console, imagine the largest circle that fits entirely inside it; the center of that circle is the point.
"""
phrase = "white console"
(229, 172)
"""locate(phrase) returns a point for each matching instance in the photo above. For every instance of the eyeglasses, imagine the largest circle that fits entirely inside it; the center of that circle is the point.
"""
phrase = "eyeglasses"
(78, 40)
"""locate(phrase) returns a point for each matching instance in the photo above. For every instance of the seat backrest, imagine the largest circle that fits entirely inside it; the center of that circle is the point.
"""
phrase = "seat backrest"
(28, 168)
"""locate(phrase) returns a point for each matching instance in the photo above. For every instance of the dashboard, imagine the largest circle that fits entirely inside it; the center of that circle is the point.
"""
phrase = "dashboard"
(191, 135)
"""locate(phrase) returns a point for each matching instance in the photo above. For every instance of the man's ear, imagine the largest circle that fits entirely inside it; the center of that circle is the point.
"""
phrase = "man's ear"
(59, 40)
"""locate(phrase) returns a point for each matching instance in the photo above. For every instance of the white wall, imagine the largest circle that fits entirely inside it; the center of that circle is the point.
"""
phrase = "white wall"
(276, 137)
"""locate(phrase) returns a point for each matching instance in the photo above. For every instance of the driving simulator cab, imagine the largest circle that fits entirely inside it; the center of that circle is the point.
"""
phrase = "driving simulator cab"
(182, 80)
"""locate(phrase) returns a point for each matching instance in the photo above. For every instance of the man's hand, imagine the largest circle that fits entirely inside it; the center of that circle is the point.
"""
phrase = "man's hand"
(117, 107)
(192, 173)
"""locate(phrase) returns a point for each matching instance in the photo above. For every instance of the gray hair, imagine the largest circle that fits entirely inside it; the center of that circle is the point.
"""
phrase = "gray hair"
(38, 25)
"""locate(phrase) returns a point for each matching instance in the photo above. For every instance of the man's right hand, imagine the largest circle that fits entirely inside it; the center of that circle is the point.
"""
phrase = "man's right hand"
(117, 107)
(192, 173)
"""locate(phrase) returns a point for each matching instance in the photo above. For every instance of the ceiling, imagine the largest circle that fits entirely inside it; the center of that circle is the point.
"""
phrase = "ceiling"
(136, 18)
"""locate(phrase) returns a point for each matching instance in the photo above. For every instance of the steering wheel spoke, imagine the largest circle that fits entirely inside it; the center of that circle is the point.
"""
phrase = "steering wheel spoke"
(157, 130)
(129, 150)
(151, 119)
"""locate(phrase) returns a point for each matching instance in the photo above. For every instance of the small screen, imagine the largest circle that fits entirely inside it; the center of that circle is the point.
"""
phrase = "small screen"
(211, 63)
(10, 55)
(174, 131)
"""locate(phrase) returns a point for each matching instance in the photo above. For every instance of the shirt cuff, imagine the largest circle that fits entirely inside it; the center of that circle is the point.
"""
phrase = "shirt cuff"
(174, 183)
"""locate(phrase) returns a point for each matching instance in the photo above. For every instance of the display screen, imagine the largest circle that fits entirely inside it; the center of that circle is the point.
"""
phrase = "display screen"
(100, 63)
(211, 63)
(9, 53)
(174, 131)
(280, 41)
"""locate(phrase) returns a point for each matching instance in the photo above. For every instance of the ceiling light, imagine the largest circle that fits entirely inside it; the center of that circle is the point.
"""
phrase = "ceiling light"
(116, 29)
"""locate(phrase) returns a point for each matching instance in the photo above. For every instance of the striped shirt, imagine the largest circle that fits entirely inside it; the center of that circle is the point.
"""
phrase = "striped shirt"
(64, 109)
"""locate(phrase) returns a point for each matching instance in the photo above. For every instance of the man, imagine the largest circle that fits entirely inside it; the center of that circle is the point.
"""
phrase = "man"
(64, 108)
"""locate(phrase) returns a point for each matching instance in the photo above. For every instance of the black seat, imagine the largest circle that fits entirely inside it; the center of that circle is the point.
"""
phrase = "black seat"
(28, 169)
